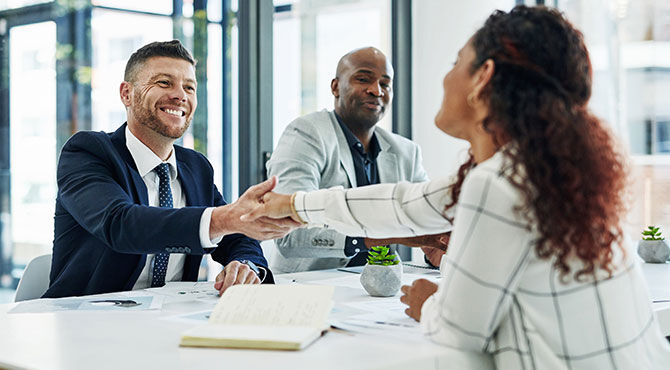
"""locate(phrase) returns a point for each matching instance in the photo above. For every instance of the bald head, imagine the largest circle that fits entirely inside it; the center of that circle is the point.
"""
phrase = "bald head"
(362, 88)
(362, 56)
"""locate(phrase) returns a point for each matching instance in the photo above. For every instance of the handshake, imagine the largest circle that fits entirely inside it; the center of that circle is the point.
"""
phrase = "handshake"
(262, 214)
(259, 213)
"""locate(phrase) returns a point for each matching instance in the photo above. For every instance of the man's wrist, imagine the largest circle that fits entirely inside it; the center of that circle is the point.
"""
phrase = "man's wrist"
(425, 258)
(220, 224)
(369, 242)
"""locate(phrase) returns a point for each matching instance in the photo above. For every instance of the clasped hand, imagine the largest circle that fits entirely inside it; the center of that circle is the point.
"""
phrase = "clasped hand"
(229, 219)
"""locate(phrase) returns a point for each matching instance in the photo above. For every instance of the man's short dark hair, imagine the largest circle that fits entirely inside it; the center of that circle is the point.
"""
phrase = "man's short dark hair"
(170, 49)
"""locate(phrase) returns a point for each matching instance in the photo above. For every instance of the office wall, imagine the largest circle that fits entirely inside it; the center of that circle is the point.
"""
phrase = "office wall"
(439, 30)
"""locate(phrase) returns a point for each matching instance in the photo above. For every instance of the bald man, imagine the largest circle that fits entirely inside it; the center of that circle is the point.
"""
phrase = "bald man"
(344, 148)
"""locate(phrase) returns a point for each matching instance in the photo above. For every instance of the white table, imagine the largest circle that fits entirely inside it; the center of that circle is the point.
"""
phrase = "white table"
(658, 280)
(142, 340)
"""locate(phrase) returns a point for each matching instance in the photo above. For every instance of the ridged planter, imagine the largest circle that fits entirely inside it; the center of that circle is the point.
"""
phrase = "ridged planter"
(382, 281)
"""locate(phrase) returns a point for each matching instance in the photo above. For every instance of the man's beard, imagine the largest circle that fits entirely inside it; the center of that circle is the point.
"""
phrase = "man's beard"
(148, 118)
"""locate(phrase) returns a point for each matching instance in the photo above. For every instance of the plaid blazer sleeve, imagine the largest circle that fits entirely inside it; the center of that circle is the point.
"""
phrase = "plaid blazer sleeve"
(379, 211)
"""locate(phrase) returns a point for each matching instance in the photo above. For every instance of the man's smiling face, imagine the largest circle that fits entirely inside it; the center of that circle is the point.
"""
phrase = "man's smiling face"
(164, 96)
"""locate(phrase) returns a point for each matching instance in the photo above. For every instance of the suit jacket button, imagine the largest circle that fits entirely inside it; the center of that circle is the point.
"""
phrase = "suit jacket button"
(187, 250)
(314, 242)
(331, 243)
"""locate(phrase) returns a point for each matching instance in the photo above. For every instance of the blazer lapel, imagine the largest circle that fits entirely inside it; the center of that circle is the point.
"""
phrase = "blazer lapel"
(185, 176)
(346, 160)
(387, 163)
(119, 140)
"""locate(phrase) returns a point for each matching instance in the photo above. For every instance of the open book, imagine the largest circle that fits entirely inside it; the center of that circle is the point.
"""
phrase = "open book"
(287, 317)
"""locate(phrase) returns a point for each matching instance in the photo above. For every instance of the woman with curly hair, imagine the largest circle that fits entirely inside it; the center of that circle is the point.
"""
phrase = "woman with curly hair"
(537, 275)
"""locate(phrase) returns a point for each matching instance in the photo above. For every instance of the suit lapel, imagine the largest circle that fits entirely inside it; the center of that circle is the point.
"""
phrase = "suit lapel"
(119, 140)
(346, 161)
(387, 162)
(185, 176)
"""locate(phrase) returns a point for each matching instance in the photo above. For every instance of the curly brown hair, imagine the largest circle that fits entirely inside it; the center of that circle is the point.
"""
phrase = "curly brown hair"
(573, 179)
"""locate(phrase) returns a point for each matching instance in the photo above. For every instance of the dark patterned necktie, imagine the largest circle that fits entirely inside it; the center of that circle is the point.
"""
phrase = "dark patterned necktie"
(164, 200)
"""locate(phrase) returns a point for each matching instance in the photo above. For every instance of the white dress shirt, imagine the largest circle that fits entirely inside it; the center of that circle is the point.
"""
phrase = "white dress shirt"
(498, 304)
(146, 161)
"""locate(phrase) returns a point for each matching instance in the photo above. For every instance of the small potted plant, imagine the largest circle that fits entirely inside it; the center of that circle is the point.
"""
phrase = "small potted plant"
(382, 276)
(652, 248)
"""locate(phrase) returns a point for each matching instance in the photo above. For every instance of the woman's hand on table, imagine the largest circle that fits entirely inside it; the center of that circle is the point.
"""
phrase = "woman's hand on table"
(415, 295)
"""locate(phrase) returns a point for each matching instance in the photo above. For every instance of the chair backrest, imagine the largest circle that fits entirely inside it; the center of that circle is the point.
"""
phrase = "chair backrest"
(35, 279)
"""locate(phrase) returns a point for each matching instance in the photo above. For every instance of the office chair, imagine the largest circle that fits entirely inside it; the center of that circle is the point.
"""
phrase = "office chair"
(35, 279)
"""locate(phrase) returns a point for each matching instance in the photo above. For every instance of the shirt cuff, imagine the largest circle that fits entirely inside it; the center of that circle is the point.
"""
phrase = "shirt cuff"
(262, 273)
(205, 220)
(353, 246)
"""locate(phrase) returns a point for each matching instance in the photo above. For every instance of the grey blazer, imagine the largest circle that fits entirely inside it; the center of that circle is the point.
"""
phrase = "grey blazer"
(313, 154)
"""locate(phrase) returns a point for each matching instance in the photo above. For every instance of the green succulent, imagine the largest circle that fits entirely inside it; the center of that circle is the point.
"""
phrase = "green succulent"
(652, 233)
(380, 256)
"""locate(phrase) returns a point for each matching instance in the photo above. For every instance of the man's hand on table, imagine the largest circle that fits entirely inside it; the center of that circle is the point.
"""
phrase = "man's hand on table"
(234, 273)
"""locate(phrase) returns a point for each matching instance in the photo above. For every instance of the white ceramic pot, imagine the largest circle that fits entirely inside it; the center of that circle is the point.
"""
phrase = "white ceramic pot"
(653, 251)
(382, 281)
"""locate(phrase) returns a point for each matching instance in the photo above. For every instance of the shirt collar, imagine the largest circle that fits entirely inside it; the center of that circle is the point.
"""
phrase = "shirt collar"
(355, 144)
(145, 159)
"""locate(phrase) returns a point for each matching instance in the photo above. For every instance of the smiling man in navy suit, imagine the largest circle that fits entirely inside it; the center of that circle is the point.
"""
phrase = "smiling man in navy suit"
(134, 210)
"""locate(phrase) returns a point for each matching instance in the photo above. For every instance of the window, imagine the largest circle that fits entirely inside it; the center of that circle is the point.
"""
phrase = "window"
(12, 4)
(153, 6)
(112, 47)
(117, 28)
(629, 43)
(309, 40)
(33, 149)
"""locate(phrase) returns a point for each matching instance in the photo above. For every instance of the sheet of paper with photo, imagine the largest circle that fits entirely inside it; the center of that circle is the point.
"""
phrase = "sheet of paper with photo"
(120, 302)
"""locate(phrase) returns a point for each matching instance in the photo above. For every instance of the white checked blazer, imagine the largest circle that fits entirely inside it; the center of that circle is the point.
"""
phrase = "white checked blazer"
(497, 304)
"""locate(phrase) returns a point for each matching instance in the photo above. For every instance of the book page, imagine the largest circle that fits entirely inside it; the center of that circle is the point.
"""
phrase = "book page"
(274, 305)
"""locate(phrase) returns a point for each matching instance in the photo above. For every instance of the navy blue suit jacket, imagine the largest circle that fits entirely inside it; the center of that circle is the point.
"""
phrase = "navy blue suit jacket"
(104, 227)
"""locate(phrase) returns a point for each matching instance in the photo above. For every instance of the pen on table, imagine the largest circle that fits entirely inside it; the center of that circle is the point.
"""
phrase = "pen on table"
(393, 324)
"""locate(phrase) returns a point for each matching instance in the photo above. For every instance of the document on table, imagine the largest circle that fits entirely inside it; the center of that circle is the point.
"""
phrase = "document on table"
(381, 314)
(123, 301)
(178, 291)
(198, 317)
